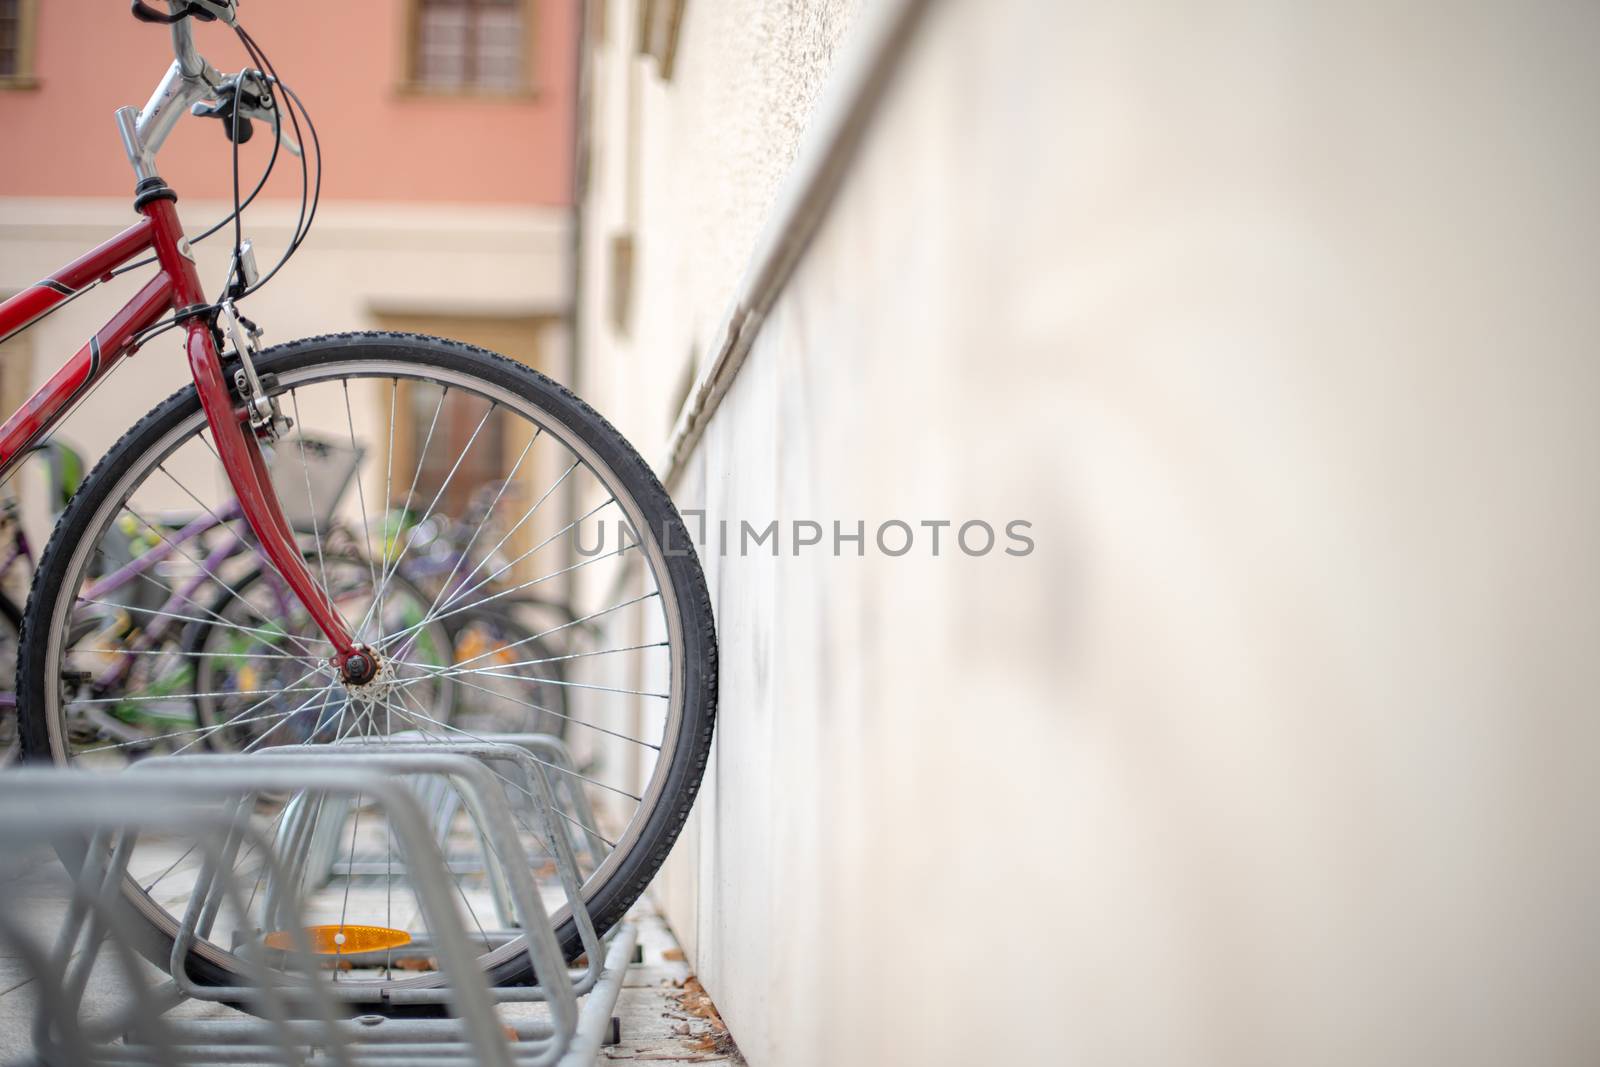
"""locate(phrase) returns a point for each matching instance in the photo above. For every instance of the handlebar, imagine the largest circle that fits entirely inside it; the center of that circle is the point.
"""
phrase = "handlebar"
(178, 15)
(188, 83)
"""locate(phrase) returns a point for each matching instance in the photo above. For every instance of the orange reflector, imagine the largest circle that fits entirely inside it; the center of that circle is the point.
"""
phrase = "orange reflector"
(342, 940)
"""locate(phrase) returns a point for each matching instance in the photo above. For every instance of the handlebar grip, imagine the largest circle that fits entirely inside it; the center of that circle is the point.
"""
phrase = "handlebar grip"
(182, 37)
(145, 13)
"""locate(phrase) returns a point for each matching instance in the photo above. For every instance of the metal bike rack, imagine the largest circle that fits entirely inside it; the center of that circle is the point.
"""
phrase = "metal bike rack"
(319, 820)
(288, 1009)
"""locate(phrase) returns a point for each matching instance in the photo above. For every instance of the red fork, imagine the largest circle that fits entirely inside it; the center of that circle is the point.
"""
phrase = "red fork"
(240, 451)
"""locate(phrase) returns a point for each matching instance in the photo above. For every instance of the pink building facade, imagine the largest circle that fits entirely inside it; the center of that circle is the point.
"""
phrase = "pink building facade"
(446, 129)
(397, 124)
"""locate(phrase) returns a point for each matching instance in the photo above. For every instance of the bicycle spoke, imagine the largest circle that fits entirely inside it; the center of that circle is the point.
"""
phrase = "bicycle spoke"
(490, 672)
(416, 475)
(585, 828)
(466, 552)
(269, 834)
(388, 456)
(550, 711)
(283, 717)
(188, 696)
(143, 742)
(216, 618)
(459, 593)
(563, 626)
(205, 731)
(311, 501)
(572, 655)
(518, 788)
(261, 557)
(439, 612)
(588, 514)
(469, 735)
(191, 618)
(210, 575)
(361, 496)
(424, 717)
(517, 588)
(388, 476)
(344, 909)
(304, 706)
(188, 655)
(437, 496)
(389, 840)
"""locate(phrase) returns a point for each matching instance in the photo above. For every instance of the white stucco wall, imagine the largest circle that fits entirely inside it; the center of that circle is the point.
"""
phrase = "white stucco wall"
(690, 167)
(1278, 324)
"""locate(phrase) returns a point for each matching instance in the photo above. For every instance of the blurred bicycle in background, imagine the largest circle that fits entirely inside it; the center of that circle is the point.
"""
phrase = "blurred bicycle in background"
(63, 471)
(182, 628)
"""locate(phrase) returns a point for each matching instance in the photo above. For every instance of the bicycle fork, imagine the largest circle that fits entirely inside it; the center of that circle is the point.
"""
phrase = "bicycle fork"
(236, 440)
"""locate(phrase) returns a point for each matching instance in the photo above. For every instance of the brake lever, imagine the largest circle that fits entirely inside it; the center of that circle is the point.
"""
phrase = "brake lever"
(271, 118)
(232, 98)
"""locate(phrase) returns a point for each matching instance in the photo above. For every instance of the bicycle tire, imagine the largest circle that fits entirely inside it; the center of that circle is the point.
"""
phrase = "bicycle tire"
(670, 556)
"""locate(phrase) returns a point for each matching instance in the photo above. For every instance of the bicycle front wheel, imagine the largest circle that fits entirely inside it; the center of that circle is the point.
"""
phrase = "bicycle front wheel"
(383, 423)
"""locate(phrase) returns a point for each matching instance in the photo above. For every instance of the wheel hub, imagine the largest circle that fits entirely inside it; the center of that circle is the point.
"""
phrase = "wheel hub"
(360, 668)
(375, 692)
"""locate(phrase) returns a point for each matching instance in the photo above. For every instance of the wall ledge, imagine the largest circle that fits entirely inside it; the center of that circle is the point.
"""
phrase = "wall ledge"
(855, 87)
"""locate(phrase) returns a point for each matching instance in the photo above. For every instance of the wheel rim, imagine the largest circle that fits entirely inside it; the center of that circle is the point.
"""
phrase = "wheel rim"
(297, 383)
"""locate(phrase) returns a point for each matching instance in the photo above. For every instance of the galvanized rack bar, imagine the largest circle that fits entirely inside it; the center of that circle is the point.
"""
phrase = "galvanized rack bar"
(288, 1008)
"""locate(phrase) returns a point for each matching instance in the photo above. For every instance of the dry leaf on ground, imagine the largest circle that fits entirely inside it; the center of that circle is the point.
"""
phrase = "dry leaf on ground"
(696, 1003)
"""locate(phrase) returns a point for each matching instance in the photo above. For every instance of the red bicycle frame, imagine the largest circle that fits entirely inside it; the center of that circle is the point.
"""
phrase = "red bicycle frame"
(175, 288)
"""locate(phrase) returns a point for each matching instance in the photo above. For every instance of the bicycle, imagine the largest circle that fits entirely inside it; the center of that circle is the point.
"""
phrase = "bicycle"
(17, 551)
(489, 624)
(147, 636)
(642, 708)
(64, 470)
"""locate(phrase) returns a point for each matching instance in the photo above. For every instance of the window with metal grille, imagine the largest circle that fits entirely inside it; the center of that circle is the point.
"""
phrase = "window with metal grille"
(11, 40)
(470, 45)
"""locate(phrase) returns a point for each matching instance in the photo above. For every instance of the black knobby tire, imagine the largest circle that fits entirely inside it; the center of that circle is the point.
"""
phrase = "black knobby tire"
(609, 901)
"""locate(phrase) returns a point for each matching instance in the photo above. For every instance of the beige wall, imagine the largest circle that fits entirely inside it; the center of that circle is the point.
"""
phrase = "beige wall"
(363, 264)
(1278, 323)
